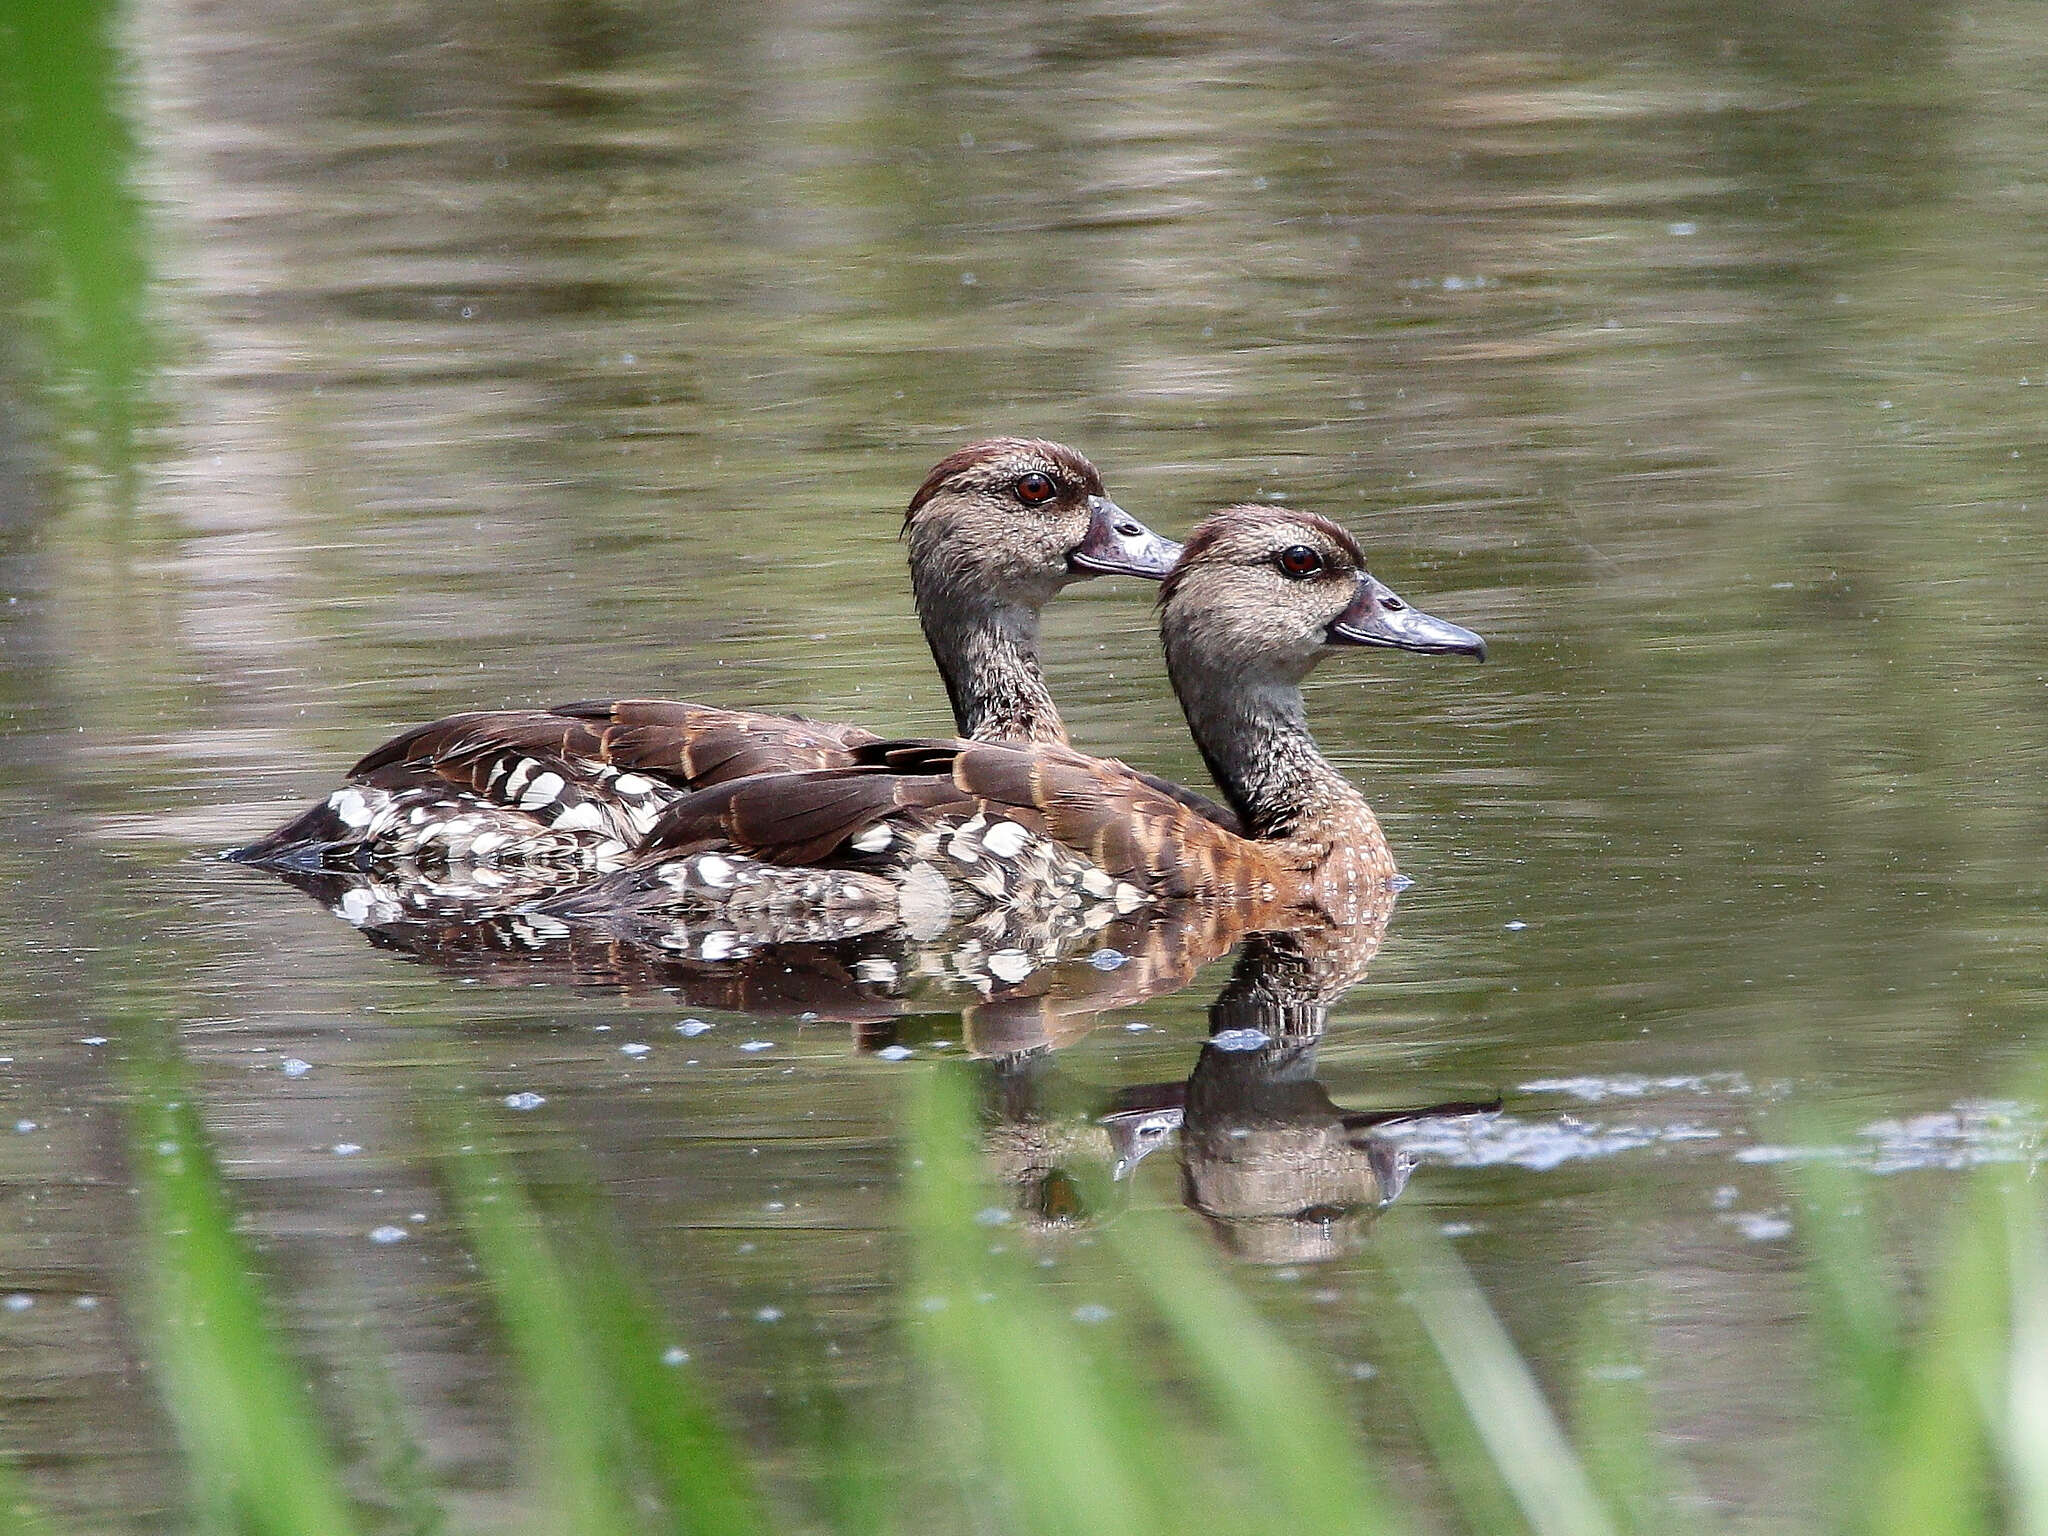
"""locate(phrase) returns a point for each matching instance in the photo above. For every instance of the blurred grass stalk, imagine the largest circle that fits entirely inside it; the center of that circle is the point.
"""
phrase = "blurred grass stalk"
(67, 167)
(1048, 1411)
(1163, 1402)
(257, 1461)
(613, 1411)
(625, 1439)
(1946, 1422)
(1943, 1428)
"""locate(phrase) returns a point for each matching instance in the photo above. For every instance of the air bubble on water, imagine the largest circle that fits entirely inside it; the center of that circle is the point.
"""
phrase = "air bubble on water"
(895, 1053)
(675, 1354)
(1092, 1312)
(1108, 959)
(635, 1049)
(524, 1100)
(293, 1066)
(692, 1027)
(346, 1148)
(1761, 1226)
(388, 1234)
(757, 1045)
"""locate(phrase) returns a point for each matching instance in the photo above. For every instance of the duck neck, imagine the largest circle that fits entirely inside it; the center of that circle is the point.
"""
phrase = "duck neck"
(987, 652)
(1256, 741)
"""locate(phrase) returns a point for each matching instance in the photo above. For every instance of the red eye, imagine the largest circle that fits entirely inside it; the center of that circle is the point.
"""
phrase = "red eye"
(1035, 489)
(1298, 560)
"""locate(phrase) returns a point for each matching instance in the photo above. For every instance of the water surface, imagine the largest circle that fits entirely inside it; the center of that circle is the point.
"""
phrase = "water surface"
(506, 355)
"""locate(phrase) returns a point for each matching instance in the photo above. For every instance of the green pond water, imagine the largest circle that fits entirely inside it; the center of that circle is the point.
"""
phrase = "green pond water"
(364, 363)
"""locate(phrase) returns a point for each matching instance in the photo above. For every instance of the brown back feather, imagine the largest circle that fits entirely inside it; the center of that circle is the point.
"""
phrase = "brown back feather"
(688, 745)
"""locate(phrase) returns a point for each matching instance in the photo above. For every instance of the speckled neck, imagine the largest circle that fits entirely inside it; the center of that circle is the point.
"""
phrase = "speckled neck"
(987, 652)
(1255, 739)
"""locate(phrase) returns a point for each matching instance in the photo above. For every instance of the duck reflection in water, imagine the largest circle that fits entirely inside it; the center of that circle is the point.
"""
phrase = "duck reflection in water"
(1281, 1173)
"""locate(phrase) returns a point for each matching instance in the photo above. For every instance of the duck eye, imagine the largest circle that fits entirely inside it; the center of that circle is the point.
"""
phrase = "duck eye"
(1298, 560)
(1035, 489)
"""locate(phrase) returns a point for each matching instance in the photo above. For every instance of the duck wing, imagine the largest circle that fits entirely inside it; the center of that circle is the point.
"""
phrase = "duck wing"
(681, 744)
(544, 782)
(1123, 821)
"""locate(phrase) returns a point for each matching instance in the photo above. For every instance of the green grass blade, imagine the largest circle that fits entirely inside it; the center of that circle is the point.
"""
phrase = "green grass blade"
(1456, 1454)
(1308, 1466)
(697, 1466)
(1077, 1447)
(1855, 1299)
(1614, 1426)
(1932, 1469)
(258, 1462)
(576, 1417)
(859, 1483)
(69, 146)
(396, 1465)
(1521, 1435)
(2024, 1430)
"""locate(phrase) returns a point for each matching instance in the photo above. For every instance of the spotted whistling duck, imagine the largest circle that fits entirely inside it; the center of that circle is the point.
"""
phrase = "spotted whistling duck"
(926, 833)
(996, 530)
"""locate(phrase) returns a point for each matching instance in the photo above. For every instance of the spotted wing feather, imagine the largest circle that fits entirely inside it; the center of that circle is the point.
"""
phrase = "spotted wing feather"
(795, 818)
(1131, 829)
(526, 779)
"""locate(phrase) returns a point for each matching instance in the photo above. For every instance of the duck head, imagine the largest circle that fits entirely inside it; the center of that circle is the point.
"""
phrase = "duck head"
(1010, 521)
(1261, 594)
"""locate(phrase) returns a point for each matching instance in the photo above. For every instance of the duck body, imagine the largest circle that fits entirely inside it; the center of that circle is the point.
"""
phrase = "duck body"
(995, 531)
(569, 789)
(934, 832)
